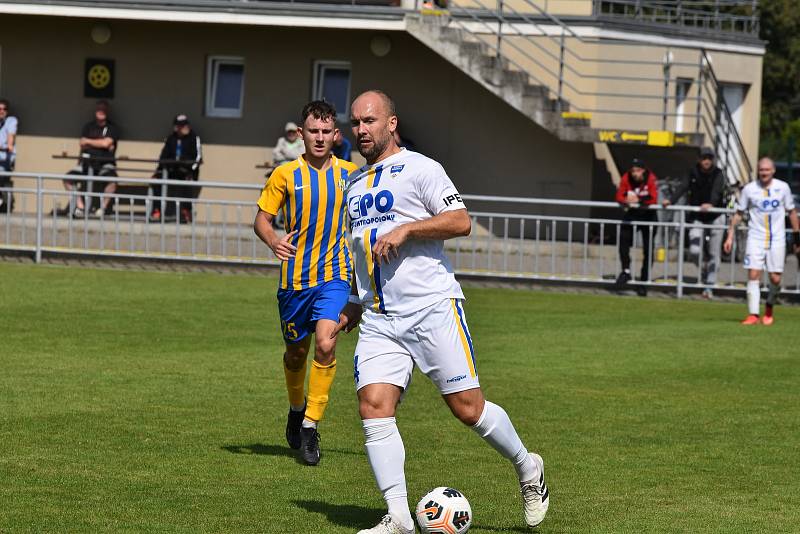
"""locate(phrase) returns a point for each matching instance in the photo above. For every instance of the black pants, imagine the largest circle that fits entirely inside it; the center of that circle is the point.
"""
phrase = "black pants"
(176, 191)
(626, 240)
(6, 197)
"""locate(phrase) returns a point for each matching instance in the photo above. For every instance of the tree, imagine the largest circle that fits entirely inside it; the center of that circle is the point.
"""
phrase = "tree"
(780, 107)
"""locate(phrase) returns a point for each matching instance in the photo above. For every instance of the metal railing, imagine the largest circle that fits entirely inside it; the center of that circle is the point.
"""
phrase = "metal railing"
(533, 41)
(715, 16)
(564, 241)
(721, 132)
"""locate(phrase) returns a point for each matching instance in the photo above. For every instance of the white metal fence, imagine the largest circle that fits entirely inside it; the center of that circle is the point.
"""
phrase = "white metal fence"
(565, 241)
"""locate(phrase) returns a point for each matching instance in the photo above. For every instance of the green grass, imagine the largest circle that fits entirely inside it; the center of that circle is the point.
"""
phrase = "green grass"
(154, 402)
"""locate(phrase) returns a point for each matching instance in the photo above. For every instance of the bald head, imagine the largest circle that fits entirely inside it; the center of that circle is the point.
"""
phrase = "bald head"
(373, 119)
(766, 170)
(378, 98)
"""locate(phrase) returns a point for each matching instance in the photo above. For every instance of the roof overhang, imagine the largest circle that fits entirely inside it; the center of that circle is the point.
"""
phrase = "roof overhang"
(271, 14)
(335, 16)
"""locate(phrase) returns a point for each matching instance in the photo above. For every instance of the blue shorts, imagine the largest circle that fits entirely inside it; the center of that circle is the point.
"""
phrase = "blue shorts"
(300, 309)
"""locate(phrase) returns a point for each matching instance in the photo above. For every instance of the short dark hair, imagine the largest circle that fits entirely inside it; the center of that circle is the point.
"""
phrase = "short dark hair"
(319, 109)
(102, 103)
(6, 103)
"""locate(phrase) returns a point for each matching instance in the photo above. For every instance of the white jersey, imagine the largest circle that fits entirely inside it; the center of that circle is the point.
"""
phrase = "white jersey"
(767, 207)
(405, 187)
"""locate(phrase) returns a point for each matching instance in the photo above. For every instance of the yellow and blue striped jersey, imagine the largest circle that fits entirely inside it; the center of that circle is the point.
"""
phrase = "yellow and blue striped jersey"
(313, 203)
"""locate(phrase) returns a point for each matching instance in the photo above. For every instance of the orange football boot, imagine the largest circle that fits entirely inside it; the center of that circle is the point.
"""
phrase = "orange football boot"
(751, 319)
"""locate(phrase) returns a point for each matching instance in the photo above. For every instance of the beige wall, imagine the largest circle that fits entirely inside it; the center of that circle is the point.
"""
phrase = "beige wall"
(485, 145)
(555, 7)
(637, 89)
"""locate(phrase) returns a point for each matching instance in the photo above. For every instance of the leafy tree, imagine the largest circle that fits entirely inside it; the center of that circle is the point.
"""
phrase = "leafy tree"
(780, 108)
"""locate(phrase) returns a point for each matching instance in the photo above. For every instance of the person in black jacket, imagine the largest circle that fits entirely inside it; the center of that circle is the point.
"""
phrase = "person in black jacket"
(98, 146)
(705, 187)
(181, 158)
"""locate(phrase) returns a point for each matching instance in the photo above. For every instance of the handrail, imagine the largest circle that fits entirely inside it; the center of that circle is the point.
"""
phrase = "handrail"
(723, 107)
(558, 78)
(684, 13)
(544, 52)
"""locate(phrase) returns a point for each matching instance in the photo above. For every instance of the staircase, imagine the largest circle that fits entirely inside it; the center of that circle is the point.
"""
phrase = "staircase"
(481, 62)
(538, 65)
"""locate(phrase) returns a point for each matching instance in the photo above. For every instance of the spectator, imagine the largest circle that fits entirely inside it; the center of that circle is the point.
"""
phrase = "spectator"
(289, 147)
(8, 153)
(182, 147)
(342, 148)
(98, 144)
(705, 187)
(637, 191)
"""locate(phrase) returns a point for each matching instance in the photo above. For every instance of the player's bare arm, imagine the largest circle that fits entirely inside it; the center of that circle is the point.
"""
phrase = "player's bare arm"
(282, 247)
(351, 313)
(735, 220)
(446, 225)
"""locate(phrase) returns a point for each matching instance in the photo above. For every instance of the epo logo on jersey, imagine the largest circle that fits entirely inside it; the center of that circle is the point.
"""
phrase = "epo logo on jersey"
(359, 205)
(766, 204)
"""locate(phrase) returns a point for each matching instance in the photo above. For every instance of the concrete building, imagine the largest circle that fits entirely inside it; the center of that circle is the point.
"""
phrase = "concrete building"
(541, 99)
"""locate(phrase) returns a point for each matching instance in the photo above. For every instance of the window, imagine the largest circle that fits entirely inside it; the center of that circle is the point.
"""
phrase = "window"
(224, 86)
(682, 88)
(332, 83)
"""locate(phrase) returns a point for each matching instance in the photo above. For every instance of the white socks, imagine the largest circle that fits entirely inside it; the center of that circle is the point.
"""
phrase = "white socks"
(753, 296)
(495, 427)
(387, 457)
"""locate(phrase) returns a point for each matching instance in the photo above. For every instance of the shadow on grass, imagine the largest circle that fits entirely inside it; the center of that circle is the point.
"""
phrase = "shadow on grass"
(344, 515)
(278, 450)
(260, 448)
(490, 528)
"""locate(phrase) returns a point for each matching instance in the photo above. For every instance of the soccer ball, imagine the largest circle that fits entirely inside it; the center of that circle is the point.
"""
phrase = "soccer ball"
(444, 511)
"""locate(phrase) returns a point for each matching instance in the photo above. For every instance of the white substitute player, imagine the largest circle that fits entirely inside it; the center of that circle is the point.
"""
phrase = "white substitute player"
(402, 206)
(767, 201)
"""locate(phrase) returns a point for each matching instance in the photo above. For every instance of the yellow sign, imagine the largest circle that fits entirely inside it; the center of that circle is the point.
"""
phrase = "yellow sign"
(660, 138)
(652, 137)
(576, 115)
(608, 136)
(683, 140)
(627, 136)
(99, 76)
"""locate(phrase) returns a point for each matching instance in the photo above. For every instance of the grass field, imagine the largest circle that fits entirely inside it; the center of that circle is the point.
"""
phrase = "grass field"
(154, 402)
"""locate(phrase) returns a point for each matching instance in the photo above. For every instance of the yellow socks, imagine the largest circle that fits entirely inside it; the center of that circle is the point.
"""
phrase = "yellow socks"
(295, 385)
(319, 385)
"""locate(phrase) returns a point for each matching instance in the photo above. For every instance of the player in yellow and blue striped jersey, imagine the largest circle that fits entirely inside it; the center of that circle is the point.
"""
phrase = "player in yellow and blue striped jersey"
(316, 268)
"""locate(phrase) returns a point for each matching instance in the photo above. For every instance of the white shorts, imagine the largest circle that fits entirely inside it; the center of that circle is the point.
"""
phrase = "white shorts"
(435, 339)
(760, 257)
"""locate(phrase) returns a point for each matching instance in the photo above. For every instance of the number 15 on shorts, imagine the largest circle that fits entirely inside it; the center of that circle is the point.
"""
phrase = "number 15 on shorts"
(288, 330)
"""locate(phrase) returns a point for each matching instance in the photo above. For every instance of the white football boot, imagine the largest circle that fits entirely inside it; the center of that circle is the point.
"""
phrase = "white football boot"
(387, 526)
(535, 495)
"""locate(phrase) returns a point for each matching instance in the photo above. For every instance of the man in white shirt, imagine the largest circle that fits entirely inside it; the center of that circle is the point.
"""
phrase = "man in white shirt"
(8, 154)
(401, 207)
(767, 201)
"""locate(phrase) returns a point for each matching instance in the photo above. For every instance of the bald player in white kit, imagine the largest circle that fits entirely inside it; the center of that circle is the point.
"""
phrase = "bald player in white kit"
(767, 201)
(402, 206)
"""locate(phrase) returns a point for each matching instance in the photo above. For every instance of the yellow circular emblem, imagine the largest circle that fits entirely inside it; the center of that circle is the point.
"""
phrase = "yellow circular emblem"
(99, 76)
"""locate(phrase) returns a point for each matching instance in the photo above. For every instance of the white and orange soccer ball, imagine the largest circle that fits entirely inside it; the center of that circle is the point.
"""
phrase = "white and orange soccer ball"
(444, 511)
